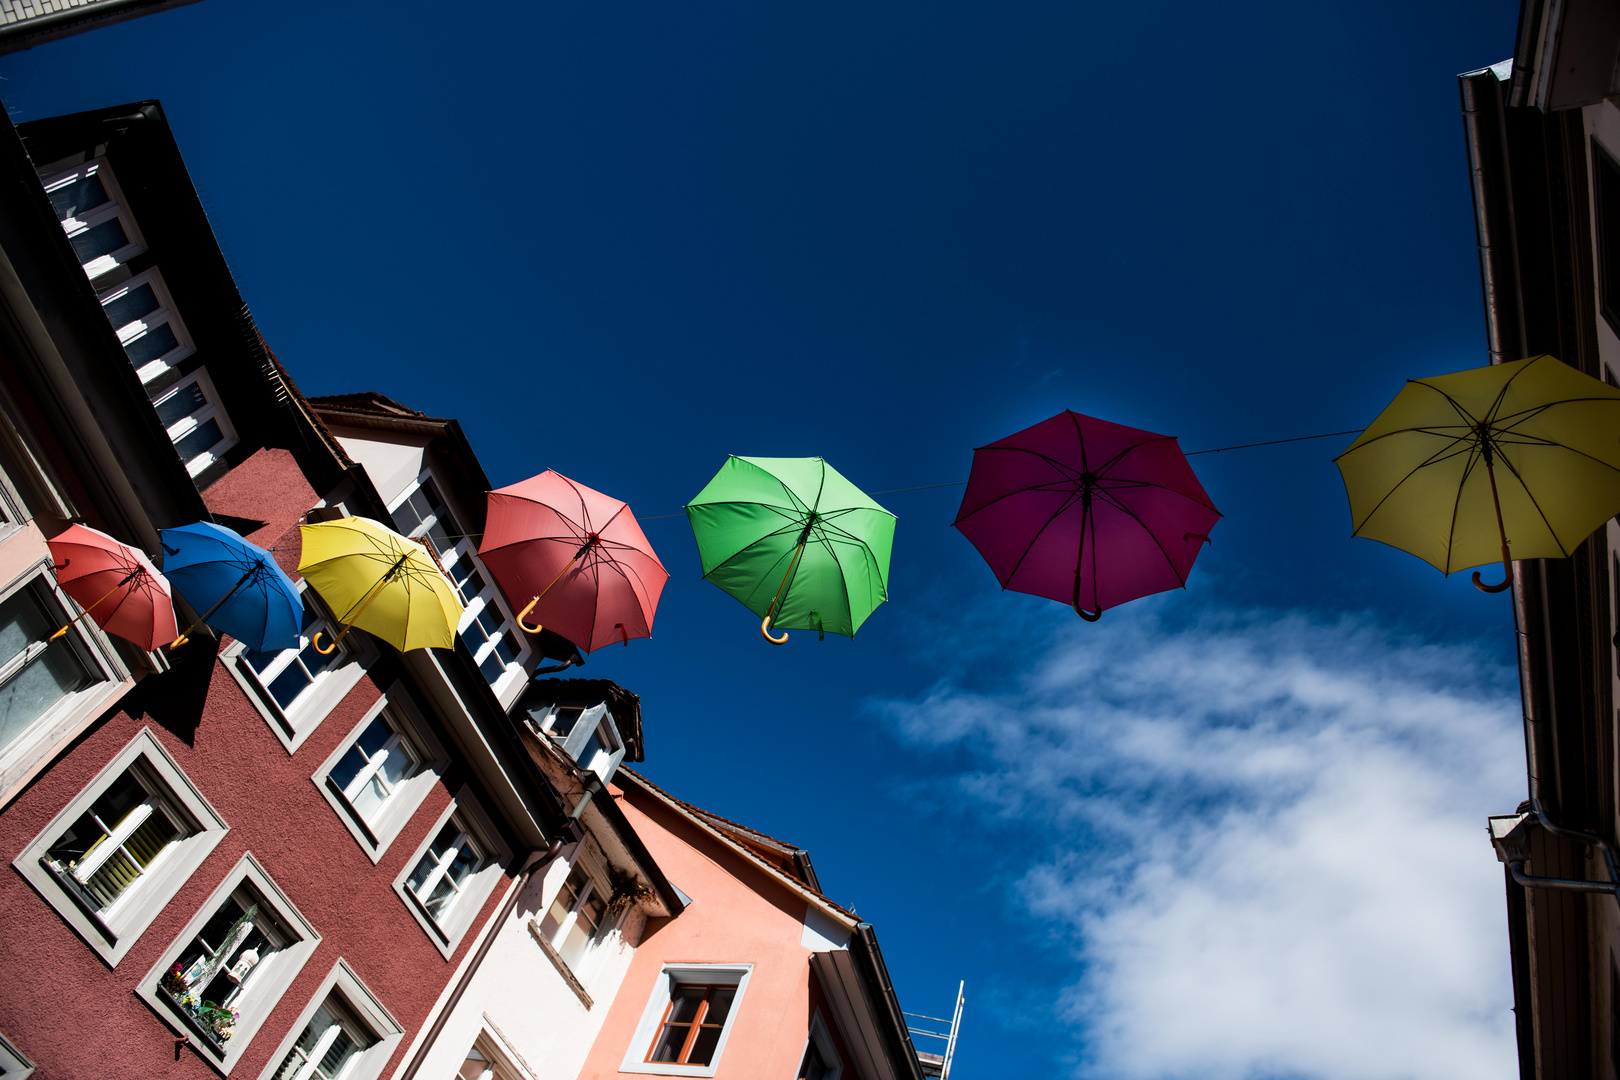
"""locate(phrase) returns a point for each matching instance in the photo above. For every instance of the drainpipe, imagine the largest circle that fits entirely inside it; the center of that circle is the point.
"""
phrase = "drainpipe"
(570, 833)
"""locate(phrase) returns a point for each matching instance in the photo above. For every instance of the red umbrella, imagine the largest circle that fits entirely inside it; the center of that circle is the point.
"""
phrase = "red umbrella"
(116, 585)
(579, 554)
(1087, 512)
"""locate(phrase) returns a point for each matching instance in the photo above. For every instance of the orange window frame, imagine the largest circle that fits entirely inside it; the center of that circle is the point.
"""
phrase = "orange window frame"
(697, 1024)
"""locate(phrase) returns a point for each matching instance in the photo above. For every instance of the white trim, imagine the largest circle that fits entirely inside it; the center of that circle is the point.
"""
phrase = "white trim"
(115, 206)
(293, 724)
(211, 409)
(14, 1062)
(653, 1014)
(474, 892)
(163, 315)
(375, 836)
(113, 930)
(271, 978)
(824, 1046)
(357, 1000)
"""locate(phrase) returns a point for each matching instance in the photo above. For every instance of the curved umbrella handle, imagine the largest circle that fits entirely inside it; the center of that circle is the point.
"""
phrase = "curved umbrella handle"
(1479, 583)
(765, 629)
(536, 628)
(1089, 616)
(316, 641)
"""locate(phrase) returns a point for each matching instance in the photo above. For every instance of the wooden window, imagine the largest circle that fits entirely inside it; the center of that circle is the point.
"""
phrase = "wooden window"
(692, 1024)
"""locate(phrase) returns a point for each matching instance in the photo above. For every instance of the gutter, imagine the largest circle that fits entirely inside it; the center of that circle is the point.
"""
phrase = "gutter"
(902, 1053)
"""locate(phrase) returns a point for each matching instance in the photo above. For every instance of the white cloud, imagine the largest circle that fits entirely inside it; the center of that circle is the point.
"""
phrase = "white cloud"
(1266, 842)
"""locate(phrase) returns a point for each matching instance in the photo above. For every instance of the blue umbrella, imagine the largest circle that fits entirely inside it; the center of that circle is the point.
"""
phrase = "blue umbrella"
(245, 593)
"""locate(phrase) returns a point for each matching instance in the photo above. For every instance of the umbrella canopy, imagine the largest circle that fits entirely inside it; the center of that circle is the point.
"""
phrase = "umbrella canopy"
(386, 584)
(1512, 461)
(1087, 512)
(576, 557)
(794, 541)
(116, 585)
(237, 585)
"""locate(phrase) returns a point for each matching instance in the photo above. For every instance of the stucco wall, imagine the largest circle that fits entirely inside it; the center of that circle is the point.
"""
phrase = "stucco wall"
(738, 914)
(392, 463)
(75, 1017)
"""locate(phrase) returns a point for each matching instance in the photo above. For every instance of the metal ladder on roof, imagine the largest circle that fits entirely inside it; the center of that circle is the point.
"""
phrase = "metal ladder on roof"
(948, 1036)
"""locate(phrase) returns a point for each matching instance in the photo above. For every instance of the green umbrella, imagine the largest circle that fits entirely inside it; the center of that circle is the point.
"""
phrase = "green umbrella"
(795, 542)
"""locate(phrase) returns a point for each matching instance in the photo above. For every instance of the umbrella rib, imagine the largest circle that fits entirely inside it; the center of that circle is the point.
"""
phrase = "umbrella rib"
(758, 540)
(1438, 455)
(1067, 504)
(1456, 506)
(1102, 470)
(1151, 535)
(1535, 503)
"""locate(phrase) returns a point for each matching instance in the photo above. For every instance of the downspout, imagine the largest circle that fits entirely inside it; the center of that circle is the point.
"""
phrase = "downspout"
(570, 833)
(1485, 126)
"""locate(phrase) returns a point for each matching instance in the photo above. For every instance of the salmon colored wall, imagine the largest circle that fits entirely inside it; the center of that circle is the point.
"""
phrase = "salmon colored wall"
(739, 914)
(76, 1017)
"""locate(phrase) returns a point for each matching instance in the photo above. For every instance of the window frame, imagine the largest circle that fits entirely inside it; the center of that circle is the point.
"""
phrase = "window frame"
(515, 674)
(472, 820)
(213, 409)
(593, 719)
(498, 1057)
(408, 723)
(356, 999)
(164, 315)
(295, 723)
(16, 1064)
(822, 1038)
(266, 993)
(115, 206)
(70, 713)
(658, 1002)
(112, 935)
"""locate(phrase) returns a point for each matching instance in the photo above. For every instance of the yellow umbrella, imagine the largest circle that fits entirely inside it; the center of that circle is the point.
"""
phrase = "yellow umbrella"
(380, 581)
(1513, 461)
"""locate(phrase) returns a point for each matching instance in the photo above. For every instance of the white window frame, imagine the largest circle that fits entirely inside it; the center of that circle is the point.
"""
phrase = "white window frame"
(515, 674)
(115, 206)
(16, 1064)
(111, 933)
(470, 819)
(73, 710)
(330, 686)
(824, 1046)
(595, 718)
(357, 1000)
(498, 1057)
(210, 410)
(165, 314)
(376, 836)
(652, 1016)
(596, 883)
(270, 979)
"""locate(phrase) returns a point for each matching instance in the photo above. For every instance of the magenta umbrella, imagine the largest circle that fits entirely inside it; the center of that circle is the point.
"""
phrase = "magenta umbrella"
(1087, 512)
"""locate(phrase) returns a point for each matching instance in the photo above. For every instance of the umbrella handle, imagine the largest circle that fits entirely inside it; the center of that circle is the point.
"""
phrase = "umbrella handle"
(536, 628)
(131, 576)
(1089, 616)
(330, 649)
(765, 629)
(1507, 559)
(1479, 582)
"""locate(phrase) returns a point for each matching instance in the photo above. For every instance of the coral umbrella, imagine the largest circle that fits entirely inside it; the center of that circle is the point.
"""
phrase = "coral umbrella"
(797, 543)
(115, 584)
(236, 585)
(1087, 512)
(384, 583)
(1511, 461)
(576, 559)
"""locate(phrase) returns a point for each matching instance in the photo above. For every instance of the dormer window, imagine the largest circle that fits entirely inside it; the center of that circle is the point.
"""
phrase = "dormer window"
(587, 734)
(99, 227)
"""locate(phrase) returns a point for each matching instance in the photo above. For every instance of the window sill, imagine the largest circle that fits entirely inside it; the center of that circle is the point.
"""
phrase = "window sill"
(560, 964)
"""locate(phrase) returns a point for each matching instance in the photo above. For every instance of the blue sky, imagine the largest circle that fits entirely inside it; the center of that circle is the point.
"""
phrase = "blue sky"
(623, 240)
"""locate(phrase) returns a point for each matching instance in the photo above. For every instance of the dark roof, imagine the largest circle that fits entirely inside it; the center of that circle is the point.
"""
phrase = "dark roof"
(625, 706)
(371, 403)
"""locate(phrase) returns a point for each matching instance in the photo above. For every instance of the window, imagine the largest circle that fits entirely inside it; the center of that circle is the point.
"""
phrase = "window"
(379, 775)
(684, 1028)
(89, 206)
(487, 628)
(198, 427)
(574, 920)
(452, 873)
(142, 312)
(485, 1061)
(296, 688)
(14, 1064)
(344, 1033)
(35, 672)
(821, 1060)
(1606, 203)
(587, 734)
(224, 975)
(116, 854)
